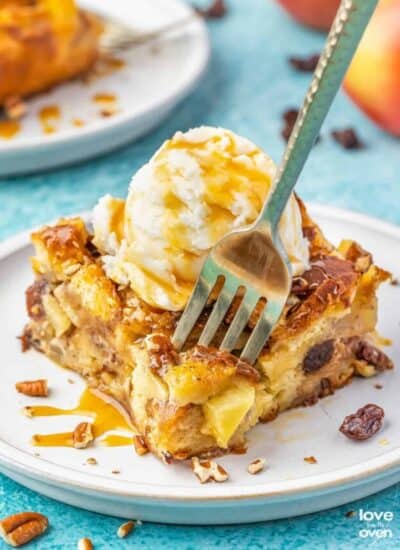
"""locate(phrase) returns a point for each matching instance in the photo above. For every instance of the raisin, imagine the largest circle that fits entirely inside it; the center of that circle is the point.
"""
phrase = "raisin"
(364, 423)
(347, 138)
(216, 10)
(304, 64)
(373, 356)
(289, 117)
(318, 356)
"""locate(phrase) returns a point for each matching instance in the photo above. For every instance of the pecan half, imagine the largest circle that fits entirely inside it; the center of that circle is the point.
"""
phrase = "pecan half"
(318, 356)
(19, 529)
(364, 423)
(125, 529)
(85, 544)
(33, 388)
(208, 470)
(82, 435)
(14, 107)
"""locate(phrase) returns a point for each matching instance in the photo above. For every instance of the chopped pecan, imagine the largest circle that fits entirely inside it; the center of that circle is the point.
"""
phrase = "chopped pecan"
(167, 457)
(373, 356)
(208, 470)
(140, 445)
(310, 459)
(318, 356)
(125, 529)
(14, 107)
(26, 340)
(19, 529)
(91, 461)
(33, 296)
(256, 466)
(33, 388)
(248, 371)
(364, 423)
(85, 544)
(82, 435)
(162, 353)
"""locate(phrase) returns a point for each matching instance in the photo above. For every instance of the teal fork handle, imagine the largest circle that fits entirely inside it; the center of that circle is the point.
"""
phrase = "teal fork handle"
(343, 39)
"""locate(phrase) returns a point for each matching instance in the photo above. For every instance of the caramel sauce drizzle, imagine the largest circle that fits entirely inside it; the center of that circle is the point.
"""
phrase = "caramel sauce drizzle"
(9, 128)
(104, 98)
(49, 117)
(106, 418)
(78, 122)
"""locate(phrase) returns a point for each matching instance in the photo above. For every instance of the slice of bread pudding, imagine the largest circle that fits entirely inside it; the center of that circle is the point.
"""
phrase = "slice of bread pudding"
(202, 401)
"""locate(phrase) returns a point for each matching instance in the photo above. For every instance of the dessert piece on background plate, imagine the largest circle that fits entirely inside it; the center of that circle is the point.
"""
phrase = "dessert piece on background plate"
(43, 43)
(105, 302)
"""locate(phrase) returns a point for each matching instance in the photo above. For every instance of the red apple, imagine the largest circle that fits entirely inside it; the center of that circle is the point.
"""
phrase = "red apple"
(317, 14)
(373, 79)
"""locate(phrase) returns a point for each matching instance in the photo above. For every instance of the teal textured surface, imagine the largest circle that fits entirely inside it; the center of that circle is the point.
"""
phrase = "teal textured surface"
(248, 86)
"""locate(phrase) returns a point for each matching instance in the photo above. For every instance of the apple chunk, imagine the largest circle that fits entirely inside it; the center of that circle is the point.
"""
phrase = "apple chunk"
(373, 79)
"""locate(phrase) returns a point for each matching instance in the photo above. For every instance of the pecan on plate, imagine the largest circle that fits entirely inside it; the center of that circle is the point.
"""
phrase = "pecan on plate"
(33, 388)
(208, 470)
(82, 435)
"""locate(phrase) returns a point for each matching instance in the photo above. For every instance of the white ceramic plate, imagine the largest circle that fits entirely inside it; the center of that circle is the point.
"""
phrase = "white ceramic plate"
(150, 490)
(155, 78)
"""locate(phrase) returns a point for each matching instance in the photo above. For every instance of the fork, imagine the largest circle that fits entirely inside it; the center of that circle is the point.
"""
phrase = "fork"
(253, 260)
(117, 36)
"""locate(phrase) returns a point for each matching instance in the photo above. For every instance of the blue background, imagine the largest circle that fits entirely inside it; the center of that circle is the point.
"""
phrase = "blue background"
(248, 86)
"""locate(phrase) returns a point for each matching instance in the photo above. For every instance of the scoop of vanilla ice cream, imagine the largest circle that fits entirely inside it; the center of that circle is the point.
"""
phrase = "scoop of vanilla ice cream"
(199, 186)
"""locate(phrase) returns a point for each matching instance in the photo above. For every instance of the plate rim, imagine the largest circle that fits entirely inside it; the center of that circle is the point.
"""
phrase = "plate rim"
(356, 473)
(188, 83)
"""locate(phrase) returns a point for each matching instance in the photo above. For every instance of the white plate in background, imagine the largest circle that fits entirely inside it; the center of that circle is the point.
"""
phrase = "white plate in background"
(149, 490)
(155, 78)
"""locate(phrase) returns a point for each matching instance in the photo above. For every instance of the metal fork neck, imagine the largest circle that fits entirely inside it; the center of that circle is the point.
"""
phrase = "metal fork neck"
(345, 34)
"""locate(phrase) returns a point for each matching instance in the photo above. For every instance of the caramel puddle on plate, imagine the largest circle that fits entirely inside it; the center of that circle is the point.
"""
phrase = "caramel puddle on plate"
(49, 117)
(106, 417)
(9, 128)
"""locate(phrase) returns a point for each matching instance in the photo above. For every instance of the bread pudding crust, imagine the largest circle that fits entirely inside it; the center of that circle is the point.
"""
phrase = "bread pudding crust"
(38, 50)
(201, 401)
